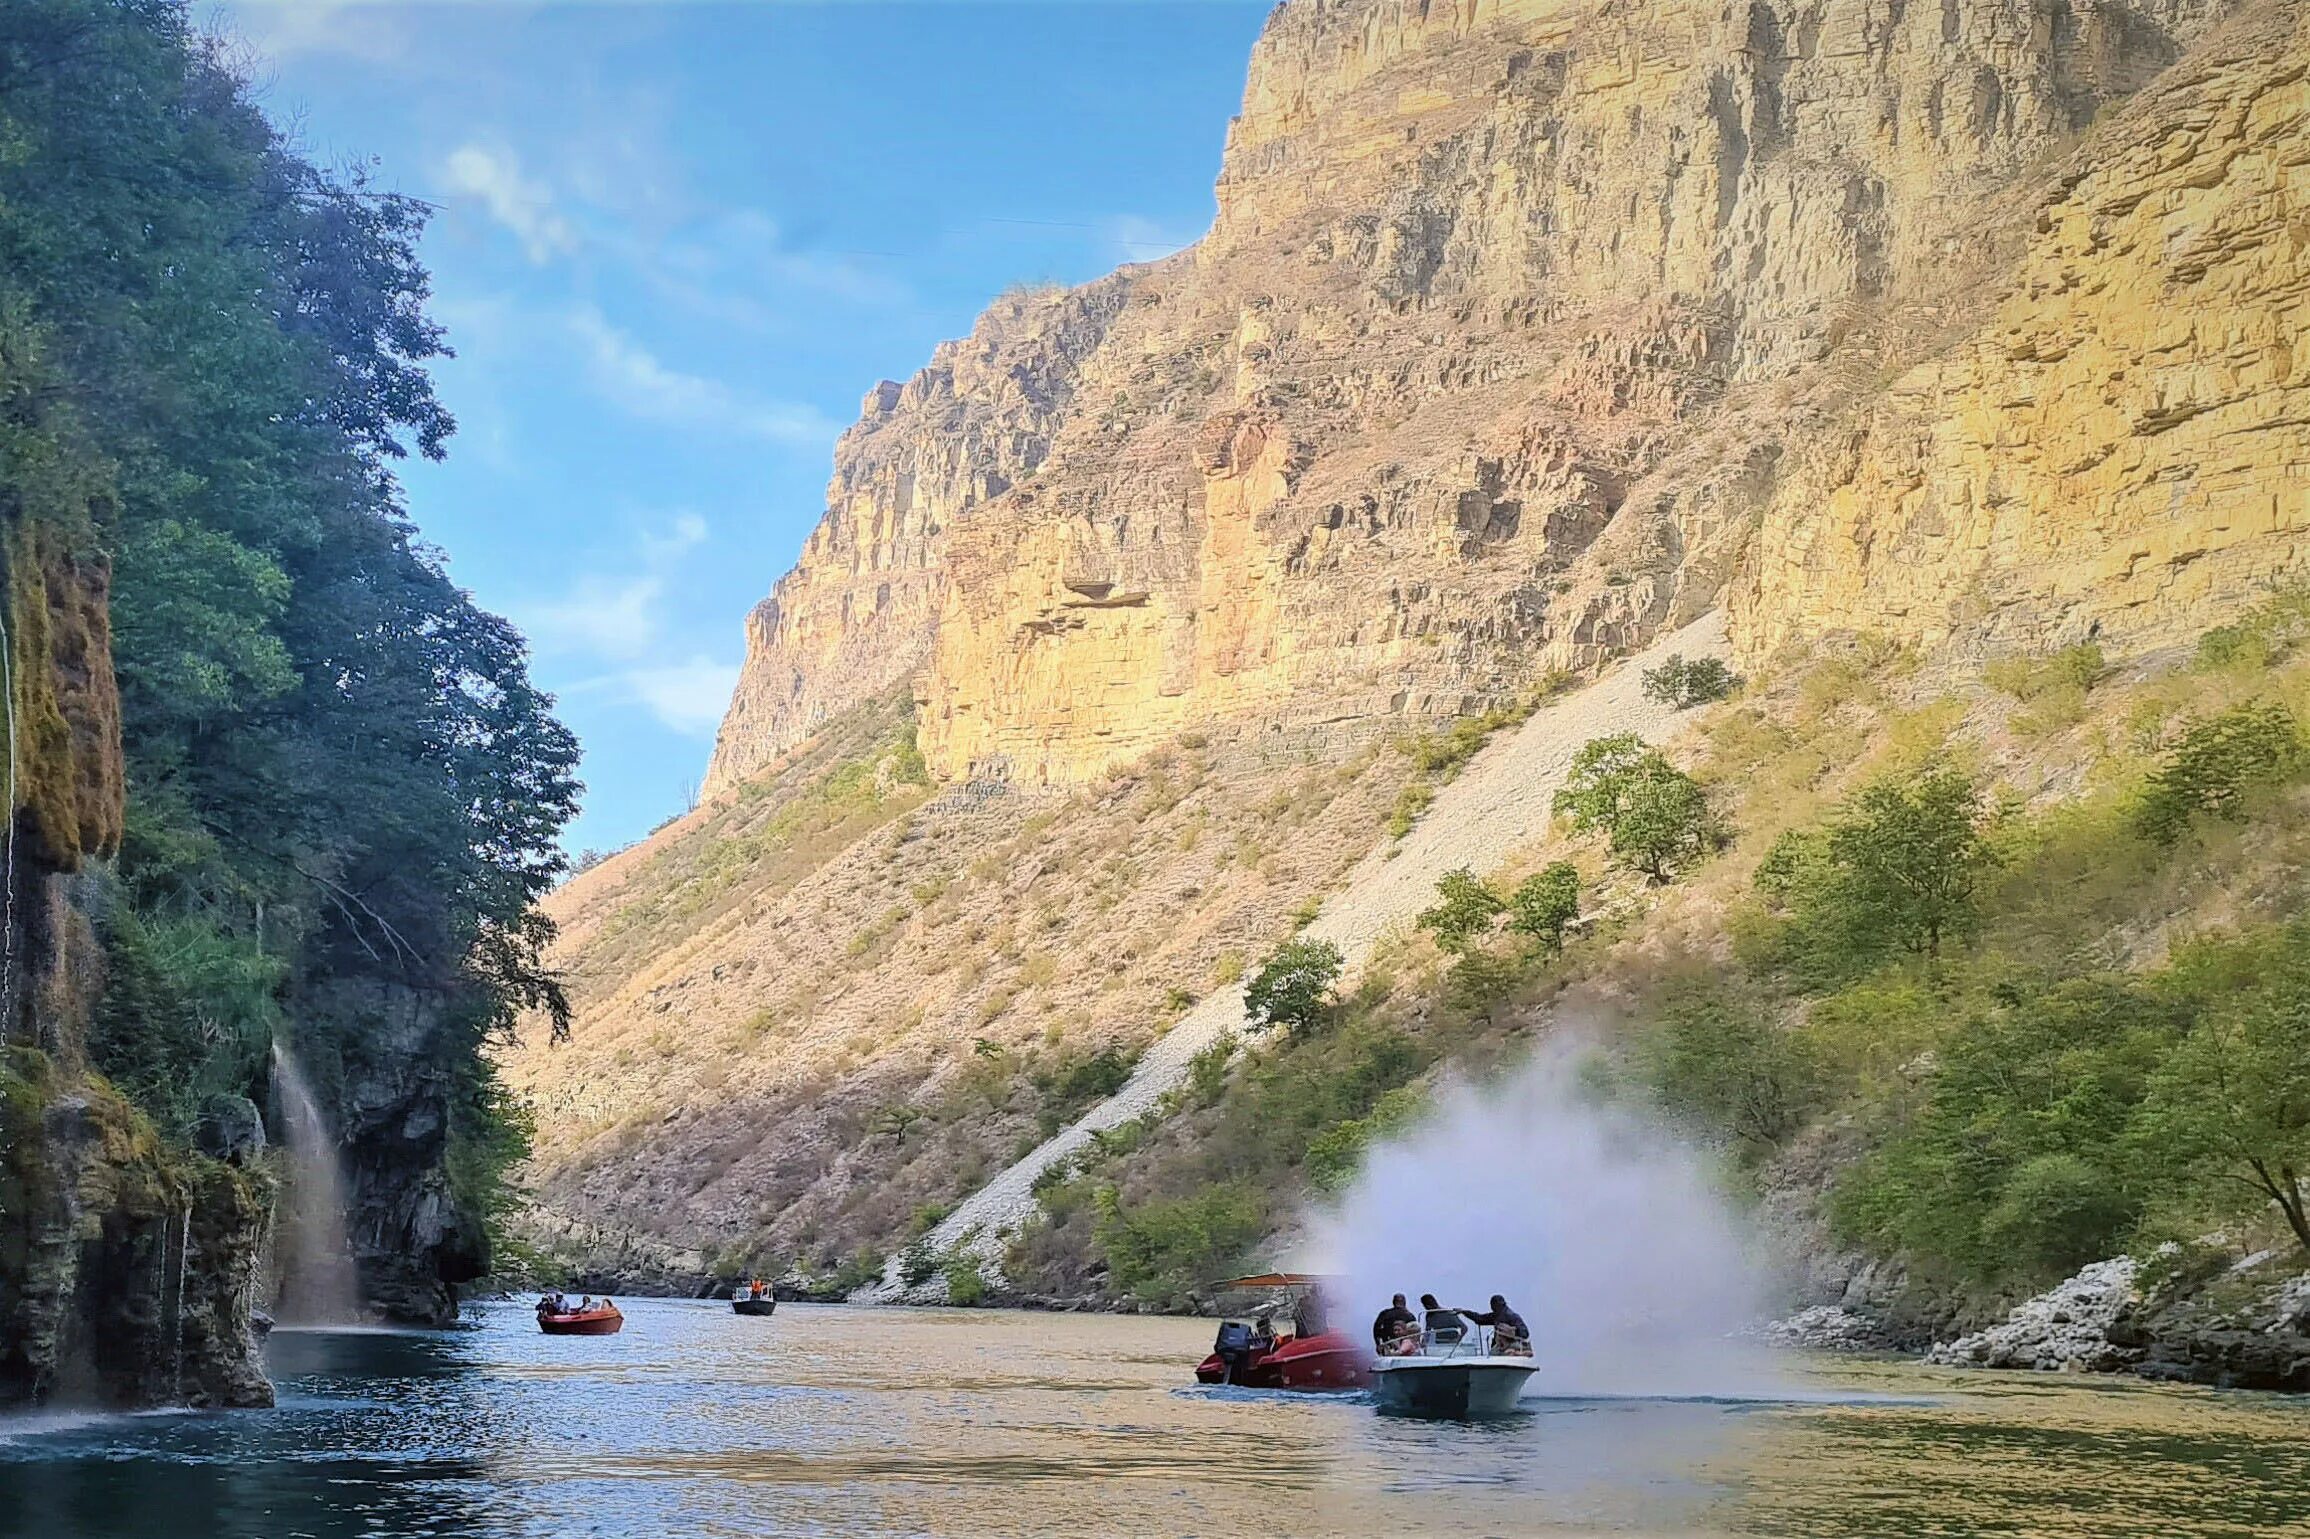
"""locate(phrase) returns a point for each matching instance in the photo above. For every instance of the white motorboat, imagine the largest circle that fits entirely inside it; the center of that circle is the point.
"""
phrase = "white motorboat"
(1455, 1373)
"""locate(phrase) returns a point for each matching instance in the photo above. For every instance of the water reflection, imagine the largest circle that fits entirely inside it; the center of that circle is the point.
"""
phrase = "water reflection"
(829, 1421)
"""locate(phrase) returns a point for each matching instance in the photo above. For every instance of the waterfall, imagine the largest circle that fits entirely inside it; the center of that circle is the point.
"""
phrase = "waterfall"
(318, 1283)
(183, 1259)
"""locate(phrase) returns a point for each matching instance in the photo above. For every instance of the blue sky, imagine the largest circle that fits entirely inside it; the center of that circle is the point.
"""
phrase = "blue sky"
(677, 243)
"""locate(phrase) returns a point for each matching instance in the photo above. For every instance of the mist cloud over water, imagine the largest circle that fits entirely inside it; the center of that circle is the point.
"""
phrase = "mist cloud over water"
(1612, 1238)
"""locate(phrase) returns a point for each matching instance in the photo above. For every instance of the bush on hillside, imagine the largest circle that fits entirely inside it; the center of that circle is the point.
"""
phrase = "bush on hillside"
(2217, 766)
(2263, 636)
(2018, 1159)
(1897, 869)
(1720, 1061)
(1463, 913)
(1293, 986)
(1683, 685)
(1163, 1252)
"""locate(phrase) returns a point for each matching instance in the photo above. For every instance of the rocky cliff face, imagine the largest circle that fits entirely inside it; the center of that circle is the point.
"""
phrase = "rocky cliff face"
(128, 1269)
(1516, 320)
(2122, 448)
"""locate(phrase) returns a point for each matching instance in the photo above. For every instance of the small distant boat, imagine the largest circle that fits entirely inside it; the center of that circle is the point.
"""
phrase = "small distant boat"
(602, 1321)
(1313, 1358)
(746, 1304)
(1455, 1374)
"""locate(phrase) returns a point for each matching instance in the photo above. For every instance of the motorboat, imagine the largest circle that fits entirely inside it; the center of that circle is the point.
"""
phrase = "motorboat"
(1454, 1372)
(601, 1320)
(753, 1303)
(1309, 1357)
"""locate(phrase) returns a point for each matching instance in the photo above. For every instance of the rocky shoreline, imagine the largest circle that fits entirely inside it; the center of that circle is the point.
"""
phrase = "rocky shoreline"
(2182, 1316)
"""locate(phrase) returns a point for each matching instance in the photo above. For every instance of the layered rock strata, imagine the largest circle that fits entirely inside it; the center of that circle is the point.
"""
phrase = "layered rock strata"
(1517, 319)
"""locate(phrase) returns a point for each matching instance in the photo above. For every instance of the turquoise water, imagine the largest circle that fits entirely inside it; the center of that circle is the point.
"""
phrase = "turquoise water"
(829, 1421)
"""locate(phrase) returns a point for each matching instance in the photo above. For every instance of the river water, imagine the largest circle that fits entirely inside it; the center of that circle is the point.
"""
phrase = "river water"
(831, 1421)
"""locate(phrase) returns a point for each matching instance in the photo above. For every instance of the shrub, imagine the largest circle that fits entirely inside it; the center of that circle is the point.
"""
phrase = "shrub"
(1335, 1155)
(1293, 986)
(917, 1264)
(1207, 1070)
(1910, 851)
(966, 1286)
(2219, 762)
(1463, 912)
(1682, 685)
(1723, 1063)
(1544, 903)
(1162, 1251)
(2057, 1213)
(2264, 635)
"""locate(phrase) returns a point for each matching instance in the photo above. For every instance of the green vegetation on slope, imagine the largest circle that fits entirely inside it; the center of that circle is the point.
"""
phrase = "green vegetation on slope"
(2025, 984)
(341, 786)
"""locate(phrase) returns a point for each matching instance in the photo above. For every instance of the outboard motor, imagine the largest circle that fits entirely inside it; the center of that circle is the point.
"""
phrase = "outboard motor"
(1233, 1347)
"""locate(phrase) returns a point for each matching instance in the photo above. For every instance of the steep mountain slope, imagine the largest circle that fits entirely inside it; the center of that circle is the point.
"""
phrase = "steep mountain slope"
(1524, 332)
(1488, 361)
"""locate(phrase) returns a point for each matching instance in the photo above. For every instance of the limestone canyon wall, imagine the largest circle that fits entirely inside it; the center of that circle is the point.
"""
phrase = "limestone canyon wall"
(1523, 326)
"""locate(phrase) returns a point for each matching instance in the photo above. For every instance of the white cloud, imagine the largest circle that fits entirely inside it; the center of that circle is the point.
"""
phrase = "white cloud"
(521, 205)
(1138, 239)
(631, 377)
(283, 29)
(617, 615)
(689, 697)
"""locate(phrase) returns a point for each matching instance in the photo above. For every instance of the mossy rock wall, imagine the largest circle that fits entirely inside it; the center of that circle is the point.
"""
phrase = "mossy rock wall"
(126, 1268)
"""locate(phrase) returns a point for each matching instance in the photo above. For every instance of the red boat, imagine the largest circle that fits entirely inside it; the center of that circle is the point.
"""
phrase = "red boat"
(1311, 1356)
(602, 1321)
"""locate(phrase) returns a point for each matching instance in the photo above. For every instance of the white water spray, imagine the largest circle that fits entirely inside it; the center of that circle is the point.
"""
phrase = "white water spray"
(318, 1282)
(1610, 1237)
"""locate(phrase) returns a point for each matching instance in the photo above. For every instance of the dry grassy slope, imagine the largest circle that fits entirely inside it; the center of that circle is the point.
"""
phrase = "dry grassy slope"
(1503, 800)
(759, 982)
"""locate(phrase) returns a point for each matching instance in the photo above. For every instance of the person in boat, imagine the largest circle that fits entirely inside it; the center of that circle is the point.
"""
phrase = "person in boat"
(754, 1290)
(551, 1302)
(1309, 1315)
(1510, 1336)
(1437, 1318)
(1395, 1329)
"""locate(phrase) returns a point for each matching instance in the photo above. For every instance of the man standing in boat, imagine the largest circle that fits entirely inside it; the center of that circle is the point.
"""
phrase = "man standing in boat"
(1510, 1337)
(1394, 1327)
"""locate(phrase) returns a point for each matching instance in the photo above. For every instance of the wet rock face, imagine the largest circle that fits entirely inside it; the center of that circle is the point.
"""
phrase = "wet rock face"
(1524, 327)
(412, 1243)
(133, 1271)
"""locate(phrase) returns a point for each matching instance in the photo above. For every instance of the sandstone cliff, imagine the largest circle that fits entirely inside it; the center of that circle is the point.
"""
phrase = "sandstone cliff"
(1514, 321)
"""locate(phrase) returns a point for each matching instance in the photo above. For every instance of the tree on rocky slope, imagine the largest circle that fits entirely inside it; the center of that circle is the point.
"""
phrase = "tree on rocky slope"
(1463, 912)
(1293, 986)
(344, 791)
(1655, 817)
(2231, 1103)
(1545, 904)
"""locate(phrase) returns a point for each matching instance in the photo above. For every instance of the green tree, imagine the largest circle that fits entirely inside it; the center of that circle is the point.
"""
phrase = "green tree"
(1463, 913)
(2232, 1101)
(1545, 903)
(1293, 986)
(2217, 766)
(2018, 1164)
(1909, 854)
(1655, 817)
